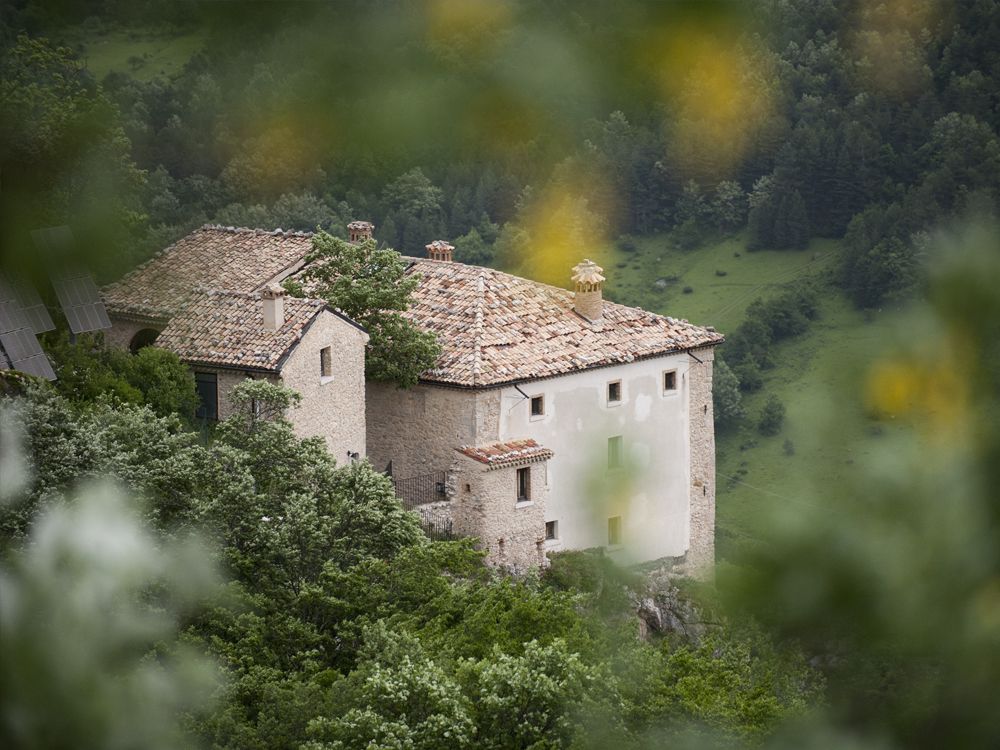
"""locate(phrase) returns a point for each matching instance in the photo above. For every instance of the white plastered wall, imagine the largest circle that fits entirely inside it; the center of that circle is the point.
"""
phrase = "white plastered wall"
(650, 492)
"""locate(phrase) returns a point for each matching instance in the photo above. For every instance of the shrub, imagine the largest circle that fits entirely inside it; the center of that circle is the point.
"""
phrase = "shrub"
(772, 417)
(688, 289)
(627, 243)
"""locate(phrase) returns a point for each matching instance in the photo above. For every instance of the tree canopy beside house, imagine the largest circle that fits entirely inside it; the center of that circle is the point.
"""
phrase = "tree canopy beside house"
(369, 284)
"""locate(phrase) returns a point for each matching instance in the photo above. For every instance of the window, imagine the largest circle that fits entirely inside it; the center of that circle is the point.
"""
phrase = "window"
(326, 362)
(524, 484)
(614, 530)
(615, 392)
(207, 386)
(538, 406)
(615, 452)
(551, 530)
(670, 381)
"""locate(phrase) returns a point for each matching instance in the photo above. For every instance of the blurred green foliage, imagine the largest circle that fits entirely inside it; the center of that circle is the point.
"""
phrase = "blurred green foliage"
(87, 368)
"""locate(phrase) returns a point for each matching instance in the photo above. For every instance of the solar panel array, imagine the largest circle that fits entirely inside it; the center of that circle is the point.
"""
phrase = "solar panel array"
(19, 347)
(81, 302)
(30, 303)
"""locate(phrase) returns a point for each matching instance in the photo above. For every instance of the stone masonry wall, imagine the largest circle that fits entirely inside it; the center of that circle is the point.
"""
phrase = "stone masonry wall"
(418, 429)
(122, 331)
(332, 407)
(485, 506)
(701, 423)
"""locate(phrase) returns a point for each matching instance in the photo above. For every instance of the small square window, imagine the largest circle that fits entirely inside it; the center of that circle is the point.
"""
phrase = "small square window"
(537, 406)
(614, 530)
(614, 392)
(326, 362)
(670, 381)
(524, 484)
(615, 452)
(551, 530)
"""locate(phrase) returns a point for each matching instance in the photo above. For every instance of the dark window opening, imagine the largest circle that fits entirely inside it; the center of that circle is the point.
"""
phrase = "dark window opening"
(670, 381)
(551, 530)
(142, 339)
(615, 530)
(326, 362)
(524, 484)
(615, 452)
(207, 385)
(614, 392)
(537, 406)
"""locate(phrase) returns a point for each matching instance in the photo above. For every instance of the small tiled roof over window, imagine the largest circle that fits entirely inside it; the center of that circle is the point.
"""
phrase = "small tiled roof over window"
(238, 260)
(509, 453)
(226, 329)
(495, 328)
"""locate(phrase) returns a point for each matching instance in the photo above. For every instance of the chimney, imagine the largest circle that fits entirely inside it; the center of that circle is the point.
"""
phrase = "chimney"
(359, 231)
(273, 297)
(440, 250)
(588, 283)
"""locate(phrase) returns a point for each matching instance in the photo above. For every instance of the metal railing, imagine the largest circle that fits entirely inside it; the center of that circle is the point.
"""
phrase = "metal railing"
(421, 489)
(425, 489)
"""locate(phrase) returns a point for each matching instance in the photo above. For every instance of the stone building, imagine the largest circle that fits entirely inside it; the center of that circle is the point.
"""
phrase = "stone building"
(553, 419)
(213, 298)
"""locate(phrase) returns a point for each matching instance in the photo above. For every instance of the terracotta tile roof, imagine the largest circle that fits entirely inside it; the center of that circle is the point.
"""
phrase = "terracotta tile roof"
(226, 329)
(496, 328)
(509, 453)
(238, 260)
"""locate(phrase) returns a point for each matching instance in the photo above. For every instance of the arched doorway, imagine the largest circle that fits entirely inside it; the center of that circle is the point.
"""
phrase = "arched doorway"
(142, 339)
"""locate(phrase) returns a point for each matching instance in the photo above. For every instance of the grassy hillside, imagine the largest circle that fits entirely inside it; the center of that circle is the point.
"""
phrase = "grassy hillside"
(816, 375)
(142, 53)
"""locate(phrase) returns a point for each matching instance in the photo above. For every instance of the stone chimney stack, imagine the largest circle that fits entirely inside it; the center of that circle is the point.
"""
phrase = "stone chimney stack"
(273, 298)
(359, 231)
(440, 250)
(588, 283)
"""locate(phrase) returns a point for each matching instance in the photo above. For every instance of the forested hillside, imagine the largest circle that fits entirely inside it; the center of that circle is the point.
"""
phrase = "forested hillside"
(818, 179)
(521, 131)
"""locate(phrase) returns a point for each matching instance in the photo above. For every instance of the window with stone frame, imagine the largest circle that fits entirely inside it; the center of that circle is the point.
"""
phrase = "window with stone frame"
(524, 484)
(615, 392)
(614, 531)
(616, 452)
(326, 362)
(537, 406)
(207, 386)
(670, 381)
(551, 530)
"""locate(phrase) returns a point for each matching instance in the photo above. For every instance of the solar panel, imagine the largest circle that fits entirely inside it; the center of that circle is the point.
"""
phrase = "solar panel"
(37, 365)
(81, 303)
(30, 304)
(19, 347)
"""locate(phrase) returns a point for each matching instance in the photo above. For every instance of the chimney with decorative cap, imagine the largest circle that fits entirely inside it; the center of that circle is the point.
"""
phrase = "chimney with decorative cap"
(273, 297)
(588, 282)
(440, 250)
(359, 231)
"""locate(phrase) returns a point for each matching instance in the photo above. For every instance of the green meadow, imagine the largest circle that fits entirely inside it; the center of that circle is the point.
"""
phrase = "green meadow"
(142, 53)
(819, 376)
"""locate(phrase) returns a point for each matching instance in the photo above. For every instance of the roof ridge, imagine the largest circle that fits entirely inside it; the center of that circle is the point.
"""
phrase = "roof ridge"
(255, 230)
(477, 329)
